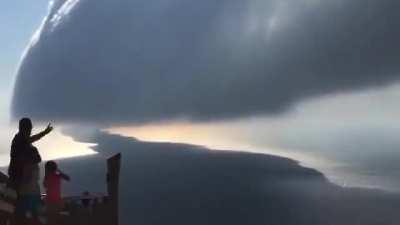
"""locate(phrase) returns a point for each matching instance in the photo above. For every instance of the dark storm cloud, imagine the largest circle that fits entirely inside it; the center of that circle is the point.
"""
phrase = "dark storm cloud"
(136, 61)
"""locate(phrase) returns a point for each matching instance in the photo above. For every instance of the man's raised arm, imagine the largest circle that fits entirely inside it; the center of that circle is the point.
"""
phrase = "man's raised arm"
(38, 136)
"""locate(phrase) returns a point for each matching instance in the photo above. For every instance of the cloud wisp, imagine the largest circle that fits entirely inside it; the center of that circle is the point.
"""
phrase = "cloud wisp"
(133, 61)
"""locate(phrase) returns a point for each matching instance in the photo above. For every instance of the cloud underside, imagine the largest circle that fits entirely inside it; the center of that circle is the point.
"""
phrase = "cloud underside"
(127, 61)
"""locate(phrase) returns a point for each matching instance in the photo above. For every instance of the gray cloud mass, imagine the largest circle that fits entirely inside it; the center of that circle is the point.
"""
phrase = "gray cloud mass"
(130, 61)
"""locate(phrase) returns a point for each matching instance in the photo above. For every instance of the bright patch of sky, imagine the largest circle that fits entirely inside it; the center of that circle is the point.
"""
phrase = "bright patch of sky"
(19, 20)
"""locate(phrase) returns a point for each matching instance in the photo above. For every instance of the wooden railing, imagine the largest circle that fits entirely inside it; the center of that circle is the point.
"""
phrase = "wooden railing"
(8, 199)
(97, 209)
(88, 209)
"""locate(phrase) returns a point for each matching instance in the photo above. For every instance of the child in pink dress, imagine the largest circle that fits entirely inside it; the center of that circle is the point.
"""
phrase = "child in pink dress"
(52, 183)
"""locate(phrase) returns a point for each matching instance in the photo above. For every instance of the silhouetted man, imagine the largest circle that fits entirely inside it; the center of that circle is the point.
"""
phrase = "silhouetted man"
(23, 170)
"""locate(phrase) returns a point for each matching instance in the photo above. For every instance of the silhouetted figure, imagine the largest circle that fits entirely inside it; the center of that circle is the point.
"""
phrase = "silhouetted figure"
(24, 171)
(52, 183)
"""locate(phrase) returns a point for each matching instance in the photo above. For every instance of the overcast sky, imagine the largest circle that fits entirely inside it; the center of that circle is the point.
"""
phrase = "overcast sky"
(18, 21)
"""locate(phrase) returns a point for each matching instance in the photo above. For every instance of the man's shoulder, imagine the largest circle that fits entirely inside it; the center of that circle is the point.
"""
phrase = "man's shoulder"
(15, 139)
(18, 145)
(19, 139)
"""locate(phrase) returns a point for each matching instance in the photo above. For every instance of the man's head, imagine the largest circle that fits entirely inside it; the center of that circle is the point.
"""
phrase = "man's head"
(25, 126)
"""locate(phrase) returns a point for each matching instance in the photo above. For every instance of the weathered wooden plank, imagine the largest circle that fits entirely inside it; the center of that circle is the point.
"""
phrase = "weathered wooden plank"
(113, 167)
(6, 207)
(6, 212)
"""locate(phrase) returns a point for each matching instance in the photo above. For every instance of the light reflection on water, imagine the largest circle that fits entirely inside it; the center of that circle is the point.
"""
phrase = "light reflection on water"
(58, 145)
(215, 137)
(222, 137)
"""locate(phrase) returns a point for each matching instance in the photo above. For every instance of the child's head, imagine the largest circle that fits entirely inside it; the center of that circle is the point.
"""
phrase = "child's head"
(50, 167)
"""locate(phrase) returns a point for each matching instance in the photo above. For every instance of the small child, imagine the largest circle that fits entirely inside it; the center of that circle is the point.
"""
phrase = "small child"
(52, 183)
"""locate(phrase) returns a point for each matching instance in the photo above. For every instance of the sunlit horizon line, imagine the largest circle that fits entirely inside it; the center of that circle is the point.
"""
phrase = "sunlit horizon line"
(204, 135)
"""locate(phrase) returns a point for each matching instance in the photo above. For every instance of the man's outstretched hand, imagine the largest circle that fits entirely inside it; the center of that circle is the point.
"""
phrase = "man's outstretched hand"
(48, 129)
(38, 136)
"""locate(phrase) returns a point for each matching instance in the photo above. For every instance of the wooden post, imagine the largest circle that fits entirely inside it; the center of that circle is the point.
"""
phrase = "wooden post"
(113, 169)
